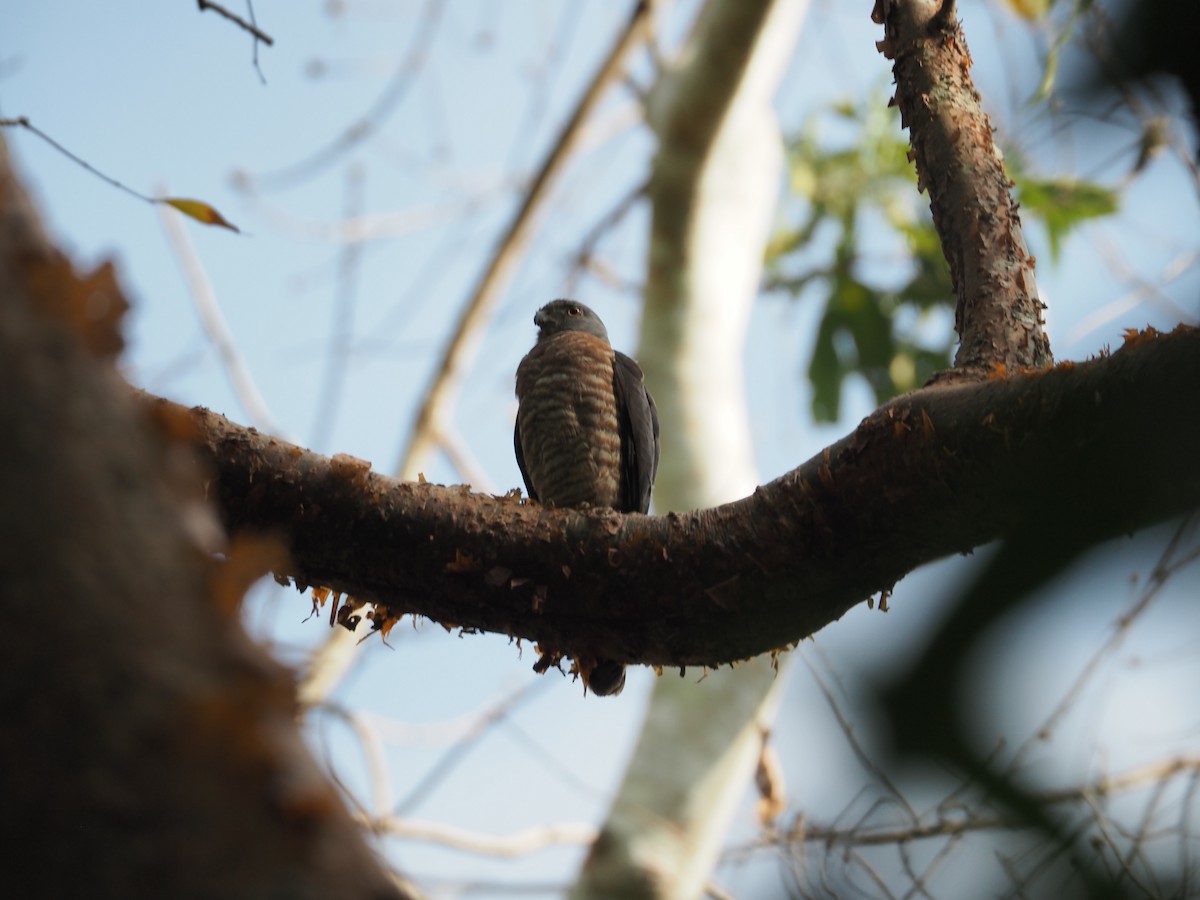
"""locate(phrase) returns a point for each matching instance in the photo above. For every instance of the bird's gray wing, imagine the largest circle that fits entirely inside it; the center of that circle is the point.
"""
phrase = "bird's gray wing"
(637, 419)
(521, 460)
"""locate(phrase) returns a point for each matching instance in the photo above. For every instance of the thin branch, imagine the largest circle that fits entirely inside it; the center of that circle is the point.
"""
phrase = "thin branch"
(341, 328)
(520, 843)
(367, 125)
(1140, 837)
(1165, 566)
(23, 122)
(373, 755)
(464, 462)
(254, 22)
(1140, 289)
(212, 320)
(1102, 40)
(1102, 821)
(461, 347)
(329, 664)
(1186, 841)
(864, 758)
(258, 33)
(583, 258)
(195, 209)
(452, 757)
(1153, 773)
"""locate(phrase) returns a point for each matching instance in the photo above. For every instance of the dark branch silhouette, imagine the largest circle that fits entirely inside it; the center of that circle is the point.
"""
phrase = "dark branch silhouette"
(1092, 450)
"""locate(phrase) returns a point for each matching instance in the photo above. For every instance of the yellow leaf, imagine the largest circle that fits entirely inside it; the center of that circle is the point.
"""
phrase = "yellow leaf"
(1031, 10)
(199, 211)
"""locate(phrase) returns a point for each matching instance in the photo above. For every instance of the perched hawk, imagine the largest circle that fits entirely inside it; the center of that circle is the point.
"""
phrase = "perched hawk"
(587, 428)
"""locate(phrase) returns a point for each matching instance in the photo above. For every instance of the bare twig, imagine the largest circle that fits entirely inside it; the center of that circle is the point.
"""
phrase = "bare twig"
(1140, 290)
(337, 354)
(23, 122)
(385, 103)
(464, 462)
(461, 347)
(860, 836)
(253, 21)
(212, 320)
(1167, 564)
(587, 247)
(1103, 827)
(198, 210)
(520, 843)
(455, 754)
(1100, 41)
(259, 34)
(1186, 842)
(372, 748)
(860, 754)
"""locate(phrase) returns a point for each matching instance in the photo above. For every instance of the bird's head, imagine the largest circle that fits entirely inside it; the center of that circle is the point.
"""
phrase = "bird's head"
(567, 315)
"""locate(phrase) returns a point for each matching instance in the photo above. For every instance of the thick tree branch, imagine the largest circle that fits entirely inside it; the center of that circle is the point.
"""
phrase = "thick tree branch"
(1100, 448)
(999, 315)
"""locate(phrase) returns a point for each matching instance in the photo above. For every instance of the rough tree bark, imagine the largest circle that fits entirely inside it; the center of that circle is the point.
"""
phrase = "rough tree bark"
(143, 672)
(938, 471)
(998, 315)
(1103, 447)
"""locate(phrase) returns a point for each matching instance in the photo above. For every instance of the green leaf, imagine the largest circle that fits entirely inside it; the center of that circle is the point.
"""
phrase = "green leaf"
(1064, 204)
(826, 373)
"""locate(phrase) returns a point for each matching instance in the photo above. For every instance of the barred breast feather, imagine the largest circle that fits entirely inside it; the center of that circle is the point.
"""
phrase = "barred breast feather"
(568, 421)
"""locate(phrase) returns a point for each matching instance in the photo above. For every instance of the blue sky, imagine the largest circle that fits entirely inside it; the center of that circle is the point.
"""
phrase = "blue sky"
(164, 98)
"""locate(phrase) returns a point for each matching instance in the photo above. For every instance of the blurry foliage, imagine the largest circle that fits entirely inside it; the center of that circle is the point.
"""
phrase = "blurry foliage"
(1030, 9)
(1063, 34)
(865, 328)
(1060, 203)
(878, 309)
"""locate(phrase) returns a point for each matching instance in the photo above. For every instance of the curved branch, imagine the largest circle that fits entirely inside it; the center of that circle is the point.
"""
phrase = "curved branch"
(1101, 448)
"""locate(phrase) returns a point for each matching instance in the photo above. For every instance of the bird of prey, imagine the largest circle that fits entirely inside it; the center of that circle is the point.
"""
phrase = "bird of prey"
(587, 428)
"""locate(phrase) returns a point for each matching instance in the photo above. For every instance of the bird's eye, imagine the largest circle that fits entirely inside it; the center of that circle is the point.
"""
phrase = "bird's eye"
(574, 311)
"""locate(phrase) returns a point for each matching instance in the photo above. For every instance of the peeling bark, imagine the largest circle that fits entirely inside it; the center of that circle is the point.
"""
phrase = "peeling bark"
(998, 314)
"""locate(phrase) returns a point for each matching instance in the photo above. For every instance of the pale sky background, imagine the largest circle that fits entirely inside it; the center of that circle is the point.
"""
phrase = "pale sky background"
(163, 98)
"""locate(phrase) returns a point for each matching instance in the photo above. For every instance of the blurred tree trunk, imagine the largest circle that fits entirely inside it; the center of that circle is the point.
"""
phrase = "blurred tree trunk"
(148, 749)
(714, 190)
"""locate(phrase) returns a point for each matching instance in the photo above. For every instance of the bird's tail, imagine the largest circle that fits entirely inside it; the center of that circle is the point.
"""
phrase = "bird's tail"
(607, 678)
